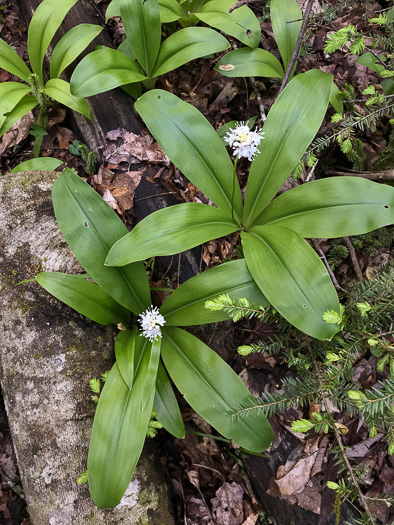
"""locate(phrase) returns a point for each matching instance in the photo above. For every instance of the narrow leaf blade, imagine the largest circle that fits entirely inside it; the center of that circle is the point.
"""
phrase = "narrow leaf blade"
(185, 306)
(26, 104)
(292, 277)
(242, 23)
(185, 45)
(286, 17)
(125, 354)
(249, 62)
(41, 163)
(213, 389)
(291, 125)
(171, 230)
(113, 455)
(90, 228)
(59, 90)
(170, 11)
(166, 405)
(12, 62)
(103, 70)
(333, 207)
(83, 296)
(71, 45)
(141, 20)
(151, 373)
(45, 22)
(193, 145)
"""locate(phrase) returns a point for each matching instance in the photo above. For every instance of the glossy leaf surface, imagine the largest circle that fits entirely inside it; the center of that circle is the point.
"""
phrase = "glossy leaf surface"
(291, 125)
(286, 18)
(242, 23)
(90, 228)
(151, 373)
(26, 104)
(193, 146)
(113, 9)
(141, 20)
(41, 163)
(333, 207)
(83, 296)
(71, 45)
(292, 277)
(125, 354)
(45, 22)
(336, 99)
(185, 306)
(169, 11)
(166, 405)
(103, 70)
(118, 435)
(59, 90)
(185, 45)
(249, 62)
(213, 389)
(171, 230)
(12, 62)
(10, 94)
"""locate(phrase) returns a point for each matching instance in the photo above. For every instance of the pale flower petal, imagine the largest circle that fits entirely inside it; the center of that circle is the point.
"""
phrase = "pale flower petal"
(244, 141)
(150, 322)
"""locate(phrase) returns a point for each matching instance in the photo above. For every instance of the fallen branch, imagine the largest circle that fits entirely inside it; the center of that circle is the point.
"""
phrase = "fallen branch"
(370, 175)
(298, 44)
(353, 258)
(240, 4)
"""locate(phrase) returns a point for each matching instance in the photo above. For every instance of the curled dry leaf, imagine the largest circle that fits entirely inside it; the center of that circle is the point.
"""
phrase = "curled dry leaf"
(17, 133)
(227, 507)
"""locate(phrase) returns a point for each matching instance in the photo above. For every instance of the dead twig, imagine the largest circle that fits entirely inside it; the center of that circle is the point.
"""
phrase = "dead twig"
(256, 91)
(240, 4)
(298, 45)
(324, 259)
(353, 258)
(370, 175)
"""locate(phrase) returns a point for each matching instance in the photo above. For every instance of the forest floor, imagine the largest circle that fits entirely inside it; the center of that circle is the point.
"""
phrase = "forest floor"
(207, 480)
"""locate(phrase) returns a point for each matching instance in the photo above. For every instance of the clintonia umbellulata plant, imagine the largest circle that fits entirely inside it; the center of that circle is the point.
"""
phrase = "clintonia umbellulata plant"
(139, 380)
(15, 100)
(142, 57)
(284, 266)
(241, 23)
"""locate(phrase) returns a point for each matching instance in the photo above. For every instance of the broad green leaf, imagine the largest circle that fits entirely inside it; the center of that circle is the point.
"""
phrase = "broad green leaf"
(185, 45)
(103, 70)
(286, 18)
(83, 296)
(125, 48)
(71, 45)
(166, 405)
(185, 306)
(90, 228)
(10, 94)
(171, 230)
(336, 99)
(193, 146)
(59, 90)
(213, 389)
(292, 277)
(369, 60)
(242, 23)
(41, 163)
(169, 11)
(12, 62)
(26, 104)
(118, 435)
(125, 354)
(151, 373)
(333, 207)
(113, 9)
(134, 89)
(141, 20)
(45, 22)
(291, 125)
(249, 62)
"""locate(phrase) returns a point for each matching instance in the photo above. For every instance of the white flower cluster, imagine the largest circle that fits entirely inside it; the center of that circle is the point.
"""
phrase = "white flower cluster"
(151, 321)
(244, 141)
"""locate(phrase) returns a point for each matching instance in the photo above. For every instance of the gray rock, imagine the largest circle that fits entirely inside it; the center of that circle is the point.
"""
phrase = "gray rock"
(48, 354)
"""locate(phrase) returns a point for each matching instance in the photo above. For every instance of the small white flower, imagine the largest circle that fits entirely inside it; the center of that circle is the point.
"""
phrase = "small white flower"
(151, 321)
(244, 141)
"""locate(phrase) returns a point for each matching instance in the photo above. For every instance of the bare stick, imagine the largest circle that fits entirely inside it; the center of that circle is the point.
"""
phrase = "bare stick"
(376, 56)
(324, 259)
(370, 175)
(256, 91)
(240, 4)
(353, 257)
(298, 44)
